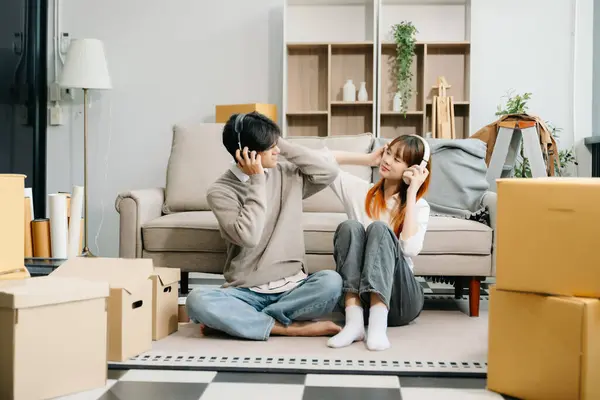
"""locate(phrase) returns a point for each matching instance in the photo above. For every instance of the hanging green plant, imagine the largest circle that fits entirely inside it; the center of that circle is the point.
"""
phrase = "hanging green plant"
(404, 37)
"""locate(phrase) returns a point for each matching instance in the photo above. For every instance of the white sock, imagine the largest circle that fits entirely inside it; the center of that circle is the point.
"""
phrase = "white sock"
(353, 331)
(377, 334)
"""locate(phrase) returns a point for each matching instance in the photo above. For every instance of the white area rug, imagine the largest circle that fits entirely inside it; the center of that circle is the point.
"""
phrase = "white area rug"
(439, 342)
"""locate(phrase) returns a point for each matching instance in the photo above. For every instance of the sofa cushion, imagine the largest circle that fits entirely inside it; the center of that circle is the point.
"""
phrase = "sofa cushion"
(199, 231)
(445, 235)
(197, 159)
(326, 200)
(186, 231)
(319, 228)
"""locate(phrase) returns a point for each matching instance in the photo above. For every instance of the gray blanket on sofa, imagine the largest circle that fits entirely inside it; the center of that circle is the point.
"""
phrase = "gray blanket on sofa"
(458, 172)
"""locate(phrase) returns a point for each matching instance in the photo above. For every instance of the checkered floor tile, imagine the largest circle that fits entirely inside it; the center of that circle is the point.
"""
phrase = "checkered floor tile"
(207, 385)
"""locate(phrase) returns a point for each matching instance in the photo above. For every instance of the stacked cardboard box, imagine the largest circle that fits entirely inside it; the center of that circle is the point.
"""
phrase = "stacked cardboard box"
(544, 327)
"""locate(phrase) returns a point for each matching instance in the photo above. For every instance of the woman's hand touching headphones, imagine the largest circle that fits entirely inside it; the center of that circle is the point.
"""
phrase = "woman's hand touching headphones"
(415, 176)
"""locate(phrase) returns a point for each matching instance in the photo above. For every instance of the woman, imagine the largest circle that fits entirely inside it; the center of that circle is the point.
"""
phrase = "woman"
(373, 249)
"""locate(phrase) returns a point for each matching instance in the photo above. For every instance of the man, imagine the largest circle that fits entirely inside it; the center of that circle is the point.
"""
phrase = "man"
(258, 204)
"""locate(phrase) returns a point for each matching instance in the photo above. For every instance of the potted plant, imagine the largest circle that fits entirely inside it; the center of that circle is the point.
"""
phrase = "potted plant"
(404, 37)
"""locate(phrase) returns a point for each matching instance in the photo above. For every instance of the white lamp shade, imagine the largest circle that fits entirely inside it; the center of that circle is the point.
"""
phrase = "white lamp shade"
(85, 66)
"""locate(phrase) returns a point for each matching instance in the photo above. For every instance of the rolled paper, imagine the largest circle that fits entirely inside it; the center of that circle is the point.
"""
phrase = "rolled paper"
(29, 193)
(41, 238)
(75, 222)
(58, 225)
(28, 237)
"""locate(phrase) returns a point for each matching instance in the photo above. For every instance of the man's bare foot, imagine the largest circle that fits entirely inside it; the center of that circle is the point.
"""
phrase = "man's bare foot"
(317, 328)
(208, 331)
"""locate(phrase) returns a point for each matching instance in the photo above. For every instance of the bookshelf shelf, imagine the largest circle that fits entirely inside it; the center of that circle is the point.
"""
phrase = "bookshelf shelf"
(328, 42)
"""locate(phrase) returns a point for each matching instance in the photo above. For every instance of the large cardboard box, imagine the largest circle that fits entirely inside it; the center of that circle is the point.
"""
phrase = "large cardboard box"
(129, 304)
(12, 227)
(548, 236)
(165, 296)
(224, 112)
(52, 337)
(544, 347)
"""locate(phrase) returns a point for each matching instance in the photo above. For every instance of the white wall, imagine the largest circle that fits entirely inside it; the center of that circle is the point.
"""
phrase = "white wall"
(583, 42)
(529, 46)
(230, 51)
(170, 62)
(596, 71)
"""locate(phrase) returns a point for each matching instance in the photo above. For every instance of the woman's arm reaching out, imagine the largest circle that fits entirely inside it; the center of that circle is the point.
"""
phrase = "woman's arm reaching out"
(349, 158)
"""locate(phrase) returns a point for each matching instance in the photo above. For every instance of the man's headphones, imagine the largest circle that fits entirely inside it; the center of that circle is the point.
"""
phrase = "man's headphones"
(238, 125)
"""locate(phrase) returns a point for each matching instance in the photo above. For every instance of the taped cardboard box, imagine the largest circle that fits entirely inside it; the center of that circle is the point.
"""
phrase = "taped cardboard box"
(548, 234)
(53, 337)
(543, 347)
(129, 304)
(165, 296)
(12, 217)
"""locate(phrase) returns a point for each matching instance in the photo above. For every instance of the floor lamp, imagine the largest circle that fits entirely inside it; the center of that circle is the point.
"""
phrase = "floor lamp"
(85, 68)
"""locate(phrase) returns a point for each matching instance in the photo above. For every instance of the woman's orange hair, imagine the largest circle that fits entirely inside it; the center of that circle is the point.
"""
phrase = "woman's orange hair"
(410, 149)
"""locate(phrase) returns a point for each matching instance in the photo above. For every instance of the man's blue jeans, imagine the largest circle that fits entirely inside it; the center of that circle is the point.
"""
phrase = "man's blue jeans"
(246, 314)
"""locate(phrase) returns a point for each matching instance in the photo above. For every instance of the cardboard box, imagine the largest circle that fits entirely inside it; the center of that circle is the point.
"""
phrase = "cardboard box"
(165, 296)
(224, 112)
(183, 315)
(12, 227)
(129, 304)
(52, 337)
(544, 347)
(548, 236)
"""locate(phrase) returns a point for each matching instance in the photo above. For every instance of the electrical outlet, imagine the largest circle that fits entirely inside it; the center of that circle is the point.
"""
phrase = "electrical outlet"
(56, 115)
(68, 94)
(65, 42)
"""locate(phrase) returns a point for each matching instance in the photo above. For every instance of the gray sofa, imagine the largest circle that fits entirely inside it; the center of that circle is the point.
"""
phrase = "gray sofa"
(175, 227)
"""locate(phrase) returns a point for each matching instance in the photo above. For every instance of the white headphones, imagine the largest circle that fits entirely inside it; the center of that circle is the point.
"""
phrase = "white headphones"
(426, 155)
(426, 152)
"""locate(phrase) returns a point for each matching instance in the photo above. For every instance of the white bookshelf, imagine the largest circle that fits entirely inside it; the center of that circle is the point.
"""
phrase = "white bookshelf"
(327, 42)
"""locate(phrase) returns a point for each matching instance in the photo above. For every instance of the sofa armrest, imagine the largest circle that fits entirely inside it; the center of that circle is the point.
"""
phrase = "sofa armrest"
(490, 200)
(136, 208)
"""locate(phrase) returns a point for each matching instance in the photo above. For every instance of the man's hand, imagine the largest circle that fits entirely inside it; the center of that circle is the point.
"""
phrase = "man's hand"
(249, 164)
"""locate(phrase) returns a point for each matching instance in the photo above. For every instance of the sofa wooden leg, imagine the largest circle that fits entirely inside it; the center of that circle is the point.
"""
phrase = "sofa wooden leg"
(474, 296)
(184, 283)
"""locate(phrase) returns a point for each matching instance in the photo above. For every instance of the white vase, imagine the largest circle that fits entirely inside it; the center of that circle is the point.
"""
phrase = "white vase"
(397, 103)
(349, 91)
(362, 92)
